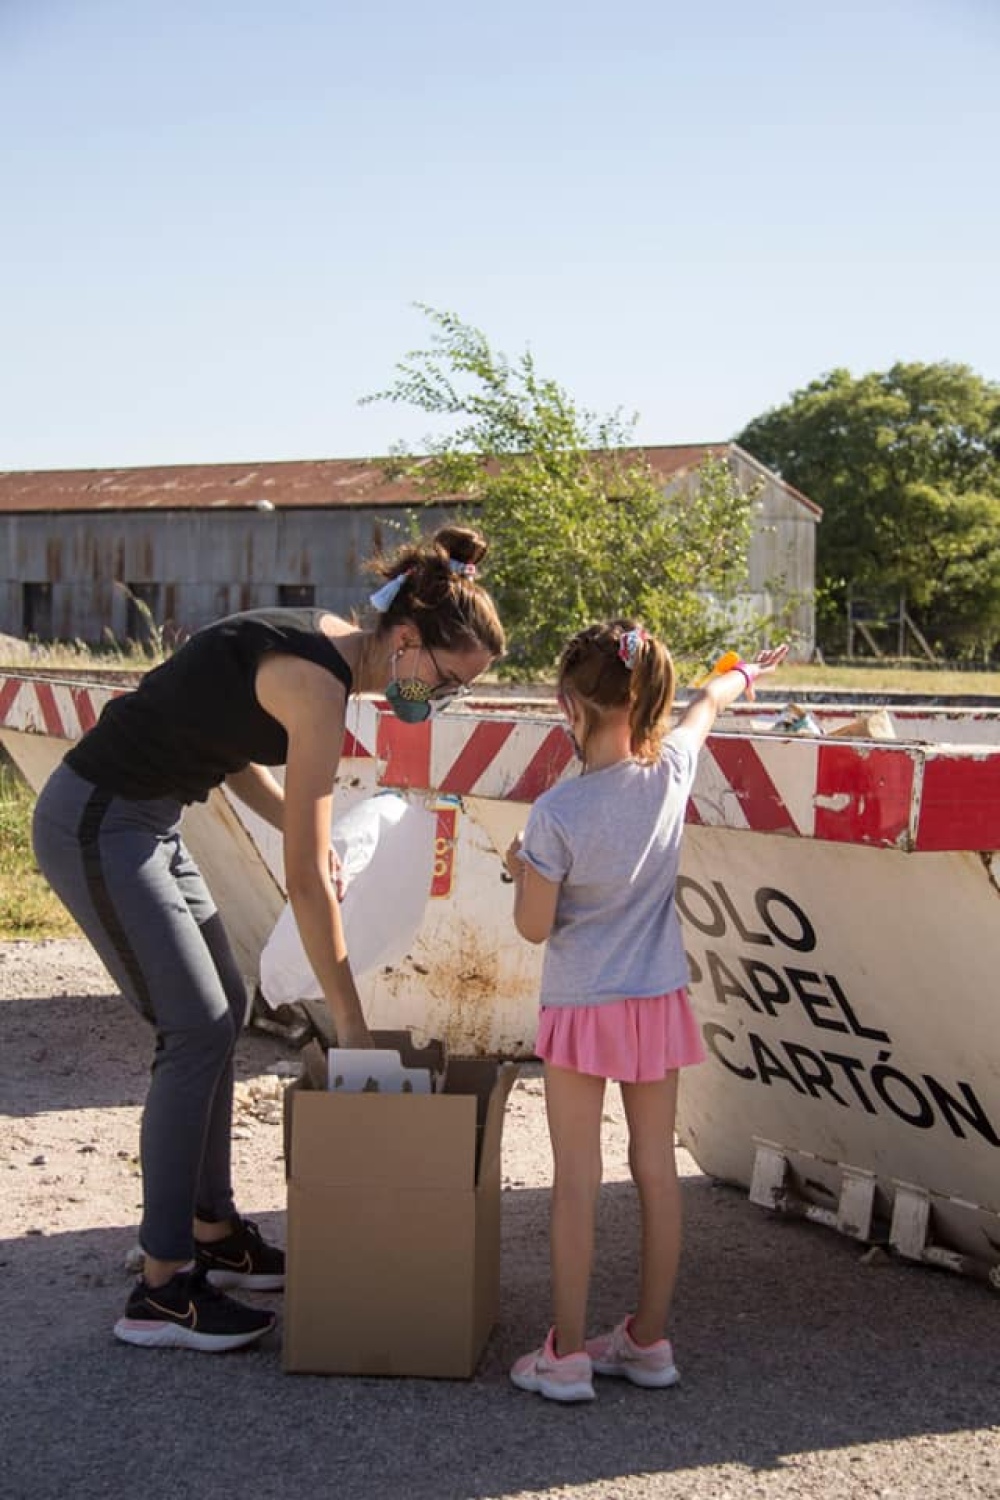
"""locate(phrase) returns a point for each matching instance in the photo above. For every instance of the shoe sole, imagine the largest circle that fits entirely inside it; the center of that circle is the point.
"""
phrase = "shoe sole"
(649, 1379)
(173, 1336)
(245, 1281)
(578, 1392)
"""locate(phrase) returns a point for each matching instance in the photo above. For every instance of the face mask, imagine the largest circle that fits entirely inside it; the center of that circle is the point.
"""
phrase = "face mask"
(405, 706)
(414, 701)
(573, 741)
(567, 728)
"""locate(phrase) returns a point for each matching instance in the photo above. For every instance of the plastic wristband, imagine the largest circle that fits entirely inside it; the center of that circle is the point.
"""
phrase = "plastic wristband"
(741, 667)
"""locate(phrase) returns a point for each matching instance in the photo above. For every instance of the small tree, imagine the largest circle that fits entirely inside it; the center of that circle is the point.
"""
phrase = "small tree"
(579, 526)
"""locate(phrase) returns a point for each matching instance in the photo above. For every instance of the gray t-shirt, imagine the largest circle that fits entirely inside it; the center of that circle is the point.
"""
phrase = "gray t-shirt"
(612, 840)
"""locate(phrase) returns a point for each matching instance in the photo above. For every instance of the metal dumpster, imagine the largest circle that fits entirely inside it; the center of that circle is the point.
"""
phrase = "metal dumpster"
(840, 906)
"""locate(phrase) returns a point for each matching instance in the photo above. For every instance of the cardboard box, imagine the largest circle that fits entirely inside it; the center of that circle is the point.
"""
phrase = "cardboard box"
(393, 1263)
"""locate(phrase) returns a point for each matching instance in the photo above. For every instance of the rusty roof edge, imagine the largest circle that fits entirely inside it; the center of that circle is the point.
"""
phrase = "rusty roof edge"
(313, 484)
(773, 474)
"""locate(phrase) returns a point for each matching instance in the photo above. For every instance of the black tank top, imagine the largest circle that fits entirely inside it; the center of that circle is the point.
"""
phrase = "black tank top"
(196, 718)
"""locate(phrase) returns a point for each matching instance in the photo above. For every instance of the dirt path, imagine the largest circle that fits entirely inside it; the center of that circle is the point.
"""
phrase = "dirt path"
(808, 1372)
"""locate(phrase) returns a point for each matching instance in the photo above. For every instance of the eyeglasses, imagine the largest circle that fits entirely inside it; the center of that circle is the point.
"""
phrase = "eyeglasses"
(448, 689)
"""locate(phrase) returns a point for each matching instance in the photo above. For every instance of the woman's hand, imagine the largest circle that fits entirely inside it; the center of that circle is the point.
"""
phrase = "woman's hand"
(356, 1035)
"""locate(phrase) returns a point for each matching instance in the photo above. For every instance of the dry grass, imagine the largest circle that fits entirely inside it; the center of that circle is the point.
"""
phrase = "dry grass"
(75, 656)
(891, 678)
(887, 677)
(28, 909)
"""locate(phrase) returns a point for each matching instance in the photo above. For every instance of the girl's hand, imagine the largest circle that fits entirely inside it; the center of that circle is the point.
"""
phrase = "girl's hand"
(764, 662)
(512, 864)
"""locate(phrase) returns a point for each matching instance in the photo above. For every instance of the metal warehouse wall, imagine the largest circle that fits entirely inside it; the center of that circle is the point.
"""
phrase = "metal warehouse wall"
(72, 565)
(62, 572)
(781, 566)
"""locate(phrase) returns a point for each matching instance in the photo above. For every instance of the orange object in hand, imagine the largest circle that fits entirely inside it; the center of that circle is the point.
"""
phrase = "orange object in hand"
(726, 663)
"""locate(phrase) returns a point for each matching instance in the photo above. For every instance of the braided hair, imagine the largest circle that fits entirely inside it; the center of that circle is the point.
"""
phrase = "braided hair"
(617, 663)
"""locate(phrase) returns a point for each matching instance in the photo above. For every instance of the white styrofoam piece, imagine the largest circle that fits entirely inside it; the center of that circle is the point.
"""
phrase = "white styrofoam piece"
(357, 1070)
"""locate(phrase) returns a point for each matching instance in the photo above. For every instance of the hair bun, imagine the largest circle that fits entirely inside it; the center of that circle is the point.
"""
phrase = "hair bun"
(462, 545)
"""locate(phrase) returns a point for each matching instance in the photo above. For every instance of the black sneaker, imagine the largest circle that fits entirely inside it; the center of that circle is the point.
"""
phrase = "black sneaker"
(242, 1259)
(187, 1313)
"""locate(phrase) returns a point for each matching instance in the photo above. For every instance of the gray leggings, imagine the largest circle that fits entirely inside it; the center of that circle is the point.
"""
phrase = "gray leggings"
(122, 870)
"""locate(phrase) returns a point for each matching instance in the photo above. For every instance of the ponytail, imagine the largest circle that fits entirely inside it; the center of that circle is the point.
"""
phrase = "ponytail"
(651, 698)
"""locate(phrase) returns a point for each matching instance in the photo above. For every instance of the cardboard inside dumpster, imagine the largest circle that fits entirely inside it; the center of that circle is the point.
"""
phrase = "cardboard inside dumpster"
(393, 1263)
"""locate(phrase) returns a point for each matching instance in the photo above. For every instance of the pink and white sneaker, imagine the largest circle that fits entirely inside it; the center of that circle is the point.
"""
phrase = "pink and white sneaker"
(543, 1372)
(617, 1353)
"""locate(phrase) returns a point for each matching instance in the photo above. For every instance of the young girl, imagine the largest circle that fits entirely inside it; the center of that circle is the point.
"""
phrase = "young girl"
(594, 873)
(264, 688)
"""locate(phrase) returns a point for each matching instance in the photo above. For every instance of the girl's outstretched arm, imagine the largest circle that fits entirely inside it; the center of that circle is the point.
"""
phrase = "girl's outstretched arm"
(704, 707)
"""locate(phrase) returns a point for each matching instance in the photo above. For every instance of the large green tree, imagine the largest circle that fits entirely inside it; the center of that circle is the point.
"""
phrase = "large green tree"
(578, 524)
(906, 465)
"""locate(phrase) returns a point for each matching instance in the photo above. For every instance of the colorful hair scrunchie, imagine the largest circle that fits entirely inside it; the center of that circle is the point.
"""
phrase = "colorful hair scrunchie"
(630, 644)
(467, 569)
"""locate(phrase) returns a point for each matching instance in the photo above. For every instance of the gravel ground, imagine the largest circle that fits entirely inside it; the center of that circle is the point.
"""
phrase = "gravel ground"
(810, 1369)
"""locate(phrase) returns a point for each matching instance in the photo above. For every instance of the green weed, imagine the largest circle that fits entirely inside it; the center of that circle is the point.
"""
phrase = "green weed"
(28, 909)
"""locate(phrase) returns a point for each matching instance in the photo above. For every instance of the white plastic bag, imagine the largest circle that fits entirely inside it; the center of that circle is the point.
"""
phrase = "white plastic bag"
(386, 849)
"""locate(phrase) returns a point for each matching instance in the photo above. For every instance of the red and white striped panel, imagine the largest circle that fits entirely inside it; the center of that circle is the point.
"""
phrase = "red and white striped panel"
(888, 795)
(842, 793)
(891, 794)
(768, 785)
(470, 754)
(67, 710)
(960, 801)
(63, 709)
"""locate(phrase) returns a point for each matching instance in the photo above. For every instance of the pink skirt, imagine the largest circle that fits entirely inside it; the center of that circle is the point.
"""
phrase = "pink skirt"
(633, 1041)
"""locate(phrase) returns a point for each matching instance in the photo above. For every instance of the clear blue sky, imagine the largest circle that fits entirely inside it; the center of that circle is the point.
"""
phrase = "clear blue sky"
(218, 214)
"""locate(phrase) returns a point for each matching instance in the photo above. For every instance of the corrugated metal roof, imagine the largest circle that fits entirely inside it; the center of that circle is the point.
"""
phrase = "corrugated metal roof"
(299, 483)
